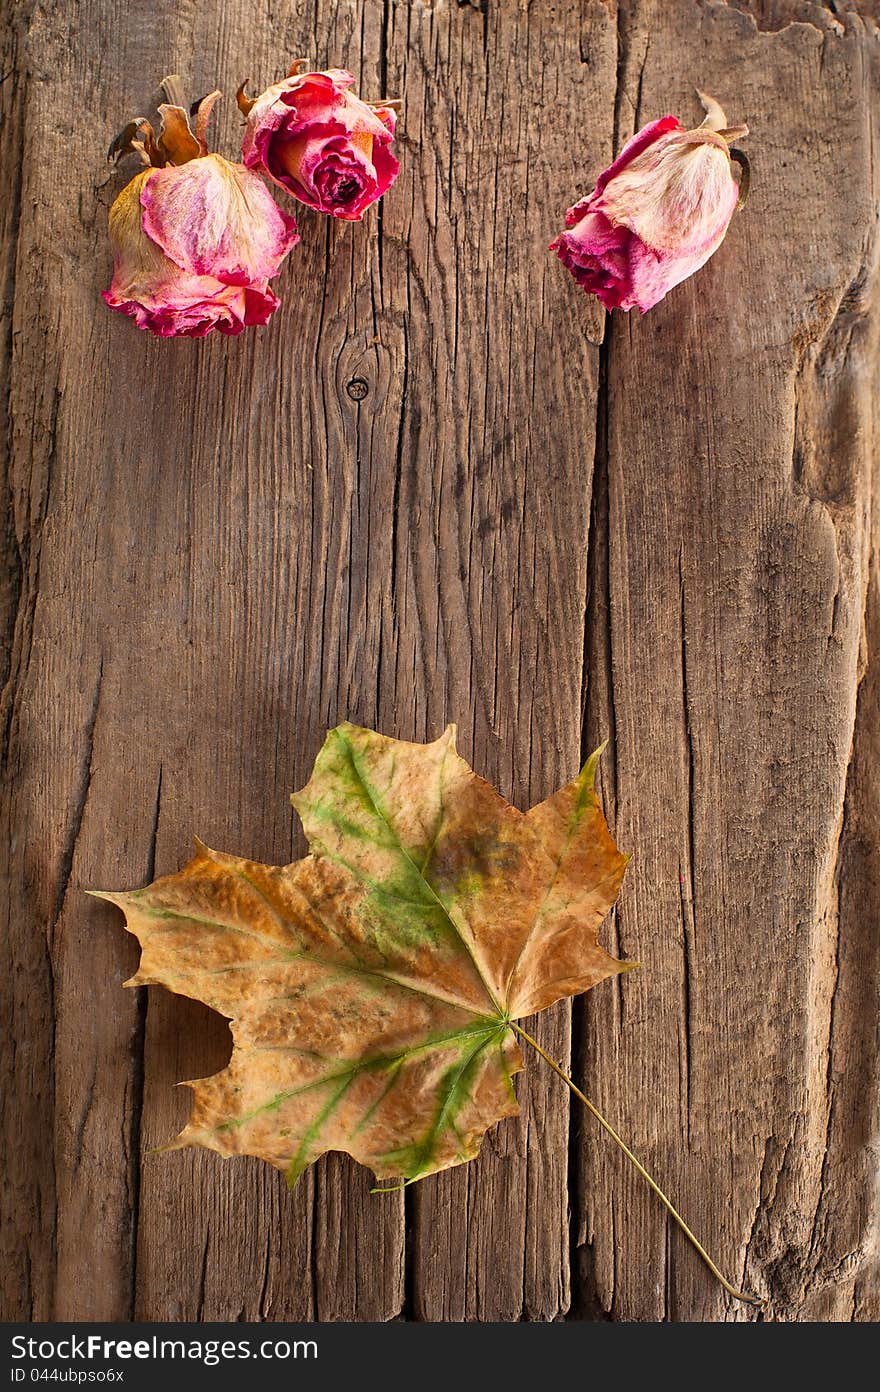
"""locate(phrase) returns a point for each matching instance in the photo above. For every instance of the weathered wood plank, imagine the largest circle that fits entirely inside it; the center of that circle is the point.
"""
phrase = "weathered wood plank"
(498, 442)
(292, 512)
(728, 647)
(26, 1102)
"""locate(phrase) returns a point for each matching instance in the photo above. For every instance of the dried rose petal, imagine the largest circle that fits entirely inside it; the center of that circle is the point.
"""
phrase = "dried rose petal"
(656, 214)
(196, 240)
(320, 142)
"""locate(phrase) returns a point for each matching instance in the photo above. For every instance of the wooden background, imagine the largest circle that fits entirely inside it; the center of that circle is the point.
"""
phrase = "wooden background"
(549, 526)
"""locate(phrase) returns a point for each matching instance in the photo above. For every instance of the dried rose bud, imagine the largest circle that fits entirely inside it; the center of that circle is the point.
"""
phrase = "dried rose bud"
(195, 239)
(319, 141)
(657, 214)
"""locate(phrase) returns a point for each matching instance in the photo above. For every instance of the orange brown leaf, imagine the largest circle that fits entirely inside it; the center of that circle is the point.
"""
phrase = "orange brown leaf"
(371, 985)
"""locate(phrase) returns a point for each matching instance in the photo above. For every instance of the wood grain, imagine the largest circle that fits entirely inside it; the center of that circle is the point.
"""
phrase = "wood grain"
(737, 505)
(547, 527)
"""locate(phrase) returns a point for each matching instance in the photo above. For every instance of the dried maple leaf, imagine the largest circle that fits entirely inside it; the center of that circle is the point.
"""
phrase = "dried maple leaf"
(371, 986)
(374, 987)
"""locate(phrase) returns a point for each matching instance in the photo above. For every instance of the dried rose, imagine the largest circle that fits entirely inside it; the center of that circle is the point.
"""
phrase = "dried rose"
(320, 142)
(195, 239)
(658, 213)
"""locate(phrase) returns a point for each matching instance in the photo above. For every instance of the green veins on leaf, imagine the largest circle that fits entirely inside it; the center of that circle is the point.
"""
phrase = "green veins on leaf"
(372, 986)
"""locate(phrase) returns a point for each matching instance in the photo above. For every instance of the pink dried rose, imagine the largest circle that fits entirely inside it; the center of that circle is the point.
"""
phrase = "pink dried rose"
(320, 142)
(195, 239)
(658, 213)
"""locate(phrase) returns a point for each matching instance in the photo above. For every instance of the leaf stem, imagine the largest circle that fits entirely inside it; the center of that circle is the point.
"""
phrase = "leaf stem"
(667, 1204)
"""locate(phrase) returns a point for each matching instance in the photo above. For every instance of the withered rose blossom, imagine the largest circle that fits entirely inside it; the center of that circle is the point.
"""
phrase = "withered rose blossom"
(195, 238)
(320, 142)
(658, 213)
